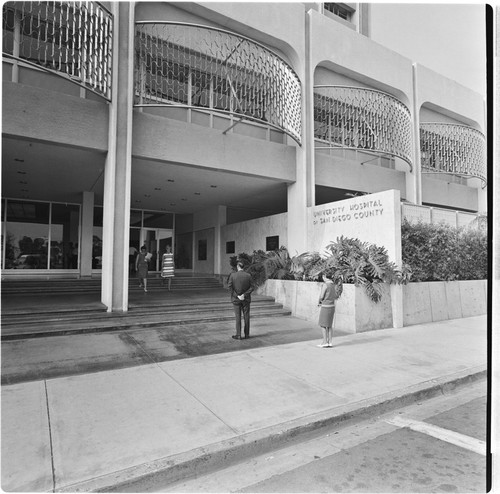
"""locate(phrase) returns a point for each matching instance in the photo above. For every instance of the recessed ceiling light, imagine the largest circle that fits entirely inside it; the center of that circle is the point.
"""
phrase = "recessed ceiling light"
(147, 195)
(18, 160)
(24, 190)
(137, 200)
(170, 180)
(163, 209)
(21, 172)
(157, 188)
(197, 194)
(183, 199)
(213, 186)
(23, 182)
(172, 203)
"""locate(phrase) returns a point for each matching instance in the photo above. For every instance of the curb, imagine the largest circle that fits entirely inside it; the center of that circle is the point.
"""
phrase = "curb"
(148, 476)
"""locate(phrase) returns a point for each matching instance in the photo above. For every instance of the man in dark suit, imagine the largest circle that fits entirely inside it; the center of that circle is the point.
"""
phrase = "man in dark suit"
(240, 286)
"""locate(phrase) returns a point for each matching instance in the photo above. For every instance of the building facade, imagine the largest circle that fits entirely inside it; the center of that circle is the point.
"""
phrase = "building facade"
(179, 124)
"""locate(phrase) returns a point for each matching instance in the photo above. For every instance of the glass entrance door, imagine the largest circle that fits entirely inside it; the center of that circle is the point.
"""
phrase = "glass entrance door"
(156, 241)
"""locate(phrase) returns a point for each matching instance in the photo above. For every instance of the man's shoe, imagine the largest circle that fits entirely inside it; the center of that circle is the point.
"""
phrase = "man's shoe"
(247, 336)
(236, 337)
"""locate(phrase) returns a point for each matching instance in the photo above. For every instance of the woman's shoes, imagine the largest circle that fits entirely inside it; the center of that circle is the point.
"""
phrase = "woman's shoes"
(323, 345)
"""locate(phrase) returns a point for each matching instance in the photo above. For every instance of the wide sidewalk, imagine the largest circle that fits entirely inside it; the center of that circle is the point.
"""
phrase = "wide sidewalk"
(95, 431)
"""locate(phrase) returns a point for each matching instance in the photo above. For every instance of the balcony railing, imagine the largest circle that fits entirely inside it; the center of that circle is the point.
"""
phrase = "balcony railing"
(362, 119)
(194, 66)
(453, 149)
(71, 39)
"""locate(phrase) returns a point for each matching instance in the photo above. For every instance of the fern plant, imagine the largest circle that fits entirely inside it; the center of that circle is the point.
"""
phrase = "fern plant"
(261, 265)
(349, 260)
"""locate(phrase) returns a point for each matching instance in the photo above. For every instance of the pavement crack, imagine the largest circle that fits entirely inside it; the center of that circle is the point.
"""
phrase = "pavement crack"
(129, 337)
(50, 438)
(180, 384)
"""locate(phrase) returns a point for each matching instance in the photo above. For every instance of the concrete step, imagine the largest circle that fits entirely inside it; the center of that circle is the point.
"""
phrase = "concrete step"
(68, 316)
(86, 286)
(112, 322)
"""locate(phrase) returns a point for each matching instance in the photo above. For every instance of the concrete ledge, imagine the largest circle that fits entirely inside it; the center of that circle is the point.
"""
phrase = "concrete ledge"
(438, 300)
(202, 460)
(355, 312)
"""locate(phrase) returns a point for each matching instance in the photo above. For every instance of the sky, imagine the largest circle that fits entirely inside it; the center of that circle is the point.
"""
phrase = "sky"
(449, 38)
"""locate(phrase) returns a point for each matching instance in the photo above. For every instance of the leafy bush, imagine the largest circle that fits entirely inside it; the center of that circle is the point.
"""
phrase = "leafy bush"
(274, 264)
(349, 260)
(438, 252)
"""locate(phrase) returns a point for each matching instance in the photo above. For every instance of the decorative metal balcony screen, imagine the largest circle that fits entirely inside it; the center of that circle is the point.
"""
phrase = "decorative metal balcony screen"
(454, 149)
(71, 39)
(364, 119)
(194, 66)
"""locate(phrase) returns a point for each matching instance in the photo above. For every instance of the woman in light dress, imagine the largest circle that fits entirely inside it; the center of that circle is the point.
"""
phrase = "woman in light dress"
(167, 266)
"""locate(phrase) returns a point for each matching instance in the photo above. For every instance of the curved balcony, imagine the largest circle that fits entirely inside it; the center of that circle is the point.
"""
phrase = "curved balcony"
(453, 149)
(194, 66)
(362, 119)
(70, 39)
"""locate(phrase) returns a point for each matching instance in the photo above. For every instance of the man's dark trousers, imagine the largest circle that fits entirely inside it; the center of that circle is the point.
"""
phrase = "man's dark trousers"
(242, 306)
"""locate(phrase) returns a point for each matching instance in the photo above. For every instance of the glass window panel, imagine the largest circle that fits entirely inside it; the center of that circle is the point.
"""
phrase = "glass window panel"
(202, 249)
(135, 218)
(201, 89)
(134, 247)
(184, 251)
(26, 235)
(158, 220)
(64, 252)
(97, 238)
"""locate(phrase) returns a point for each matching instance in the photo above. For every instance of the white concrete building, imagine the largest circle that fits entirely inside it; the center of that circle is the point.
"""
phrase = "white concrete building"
(212, 127)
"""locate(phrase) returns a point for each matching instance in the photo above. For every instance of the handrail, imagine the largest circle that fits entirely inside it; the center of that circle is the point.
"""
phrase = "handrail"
(453, 149)
(72, 40)
(364, 119)
(188, 65)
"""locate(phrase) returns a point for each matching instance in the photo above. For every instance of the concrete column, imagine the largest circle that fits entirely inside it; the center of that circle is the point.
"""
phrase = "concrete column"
(397, 300)
(87, 234)
(221, 221)
(118, 167)
(414, 179)
(301, 194)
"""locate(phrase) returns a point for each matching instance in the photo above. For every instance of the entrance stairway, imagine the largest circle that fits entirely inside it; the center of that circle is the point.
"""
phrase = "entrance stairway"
(94, 285)
(53, 308)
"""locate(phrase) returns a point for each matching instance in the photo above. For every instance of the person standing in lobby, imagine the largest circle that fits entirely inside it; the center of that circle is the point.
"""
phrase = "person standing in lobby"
(240, 287)
(141, 266)
(167, 266)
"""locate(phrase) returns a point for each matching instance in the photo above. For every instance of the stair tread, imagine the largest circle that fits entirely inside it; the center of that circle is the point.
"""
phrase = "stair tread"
(132, 324)
(23, 318)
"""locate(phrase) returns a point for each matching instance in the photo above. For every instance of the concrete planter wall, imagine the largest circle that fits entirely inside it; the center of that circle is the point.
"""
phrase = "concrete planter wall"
(356, 313)
(439, 300)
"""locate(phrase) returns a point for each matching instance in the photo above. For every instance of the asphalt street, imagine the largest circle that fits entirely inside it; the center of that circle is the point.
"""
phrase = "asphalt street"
(432, 446)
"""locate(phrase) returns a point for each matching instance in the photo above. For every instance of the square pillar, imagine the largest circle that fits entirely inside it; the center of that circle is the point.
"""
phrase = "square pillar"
(118, 167)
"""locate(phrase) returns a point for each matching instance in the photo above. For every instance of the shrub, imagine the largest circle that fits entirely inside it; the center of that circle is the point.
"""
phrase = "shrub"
(438, 252)
(349, 260)
(261, 265)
